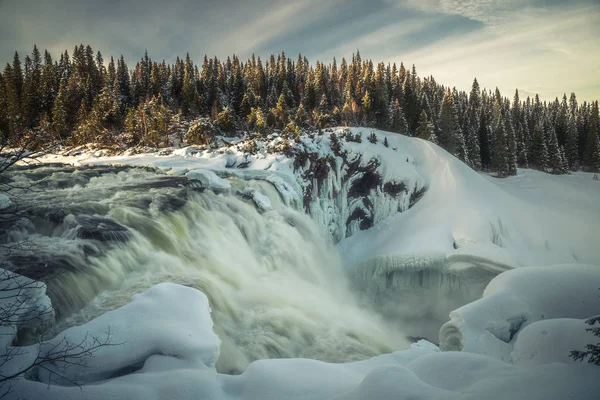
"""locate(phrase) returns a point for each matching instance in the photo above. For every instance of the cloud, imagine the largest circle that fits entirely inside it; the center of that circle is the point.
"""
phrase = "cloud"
(491, 12)
(550, 51)
(551, 48)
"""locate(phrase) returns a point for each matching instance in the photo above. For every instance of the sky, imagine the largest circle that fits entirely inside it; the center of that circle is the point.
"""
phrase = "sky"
(549, 47)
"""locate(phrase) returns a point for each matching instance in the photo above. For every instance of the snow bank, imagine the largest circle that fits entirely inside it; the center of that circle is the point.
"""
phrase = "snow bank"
(166, 354)
(518, 298)
(548, 341)
(168, 325)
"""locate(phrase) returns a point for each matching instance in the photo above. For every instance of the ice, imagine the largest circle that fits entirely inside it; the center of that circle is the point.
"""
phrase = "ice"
(4, 201)
(23, 304)
(261, 201)
(208, 179)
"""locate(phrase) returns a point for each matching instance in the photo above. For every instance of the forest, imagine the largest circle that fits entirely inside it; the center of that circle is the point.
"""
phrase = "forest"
(82, 99)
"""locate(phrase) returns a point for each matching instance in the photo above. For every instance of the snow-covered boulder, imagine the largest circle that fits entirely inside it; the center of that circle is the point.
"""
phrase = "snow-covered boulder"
(208, 179)
(168, 326)
(521, 297)
(23, 304)
(261, 200)
(548, 341)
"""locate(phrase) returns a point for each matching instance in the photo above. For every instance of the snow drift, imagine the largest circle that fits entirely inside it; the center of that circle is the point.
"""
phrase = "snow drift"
(176, 360)
(507, 316)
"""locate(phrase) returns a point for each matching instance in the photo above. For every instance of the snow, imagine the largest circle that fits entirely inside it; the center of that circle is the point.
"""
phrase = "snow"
(463, 207)
(549, 341)
(515, 260)
(517, 299)
(163, 353)
(23, 304)
(529, 219)
(261, 201)
(208, 179)
(168, 325)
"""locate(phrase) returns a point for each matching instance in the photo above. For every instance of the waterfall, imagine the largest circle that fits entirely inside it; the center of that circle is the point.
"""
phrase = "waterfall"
(275, 282)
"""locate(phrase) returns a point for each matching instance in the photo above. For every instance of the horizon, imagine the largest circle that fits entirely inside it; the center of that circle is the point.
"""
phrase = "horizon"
(540, 47)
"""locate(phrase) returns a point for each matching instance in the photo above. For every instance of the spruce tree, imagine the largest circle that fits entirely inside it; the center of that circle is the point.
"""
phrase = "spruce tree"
(425, 129)
(539, 151)
(397, 122)
(449, 133)
(60, 120)
(472, 126)
(555, 152)
(572, 146)
(511, 142)
(591, 158)
(500, 163)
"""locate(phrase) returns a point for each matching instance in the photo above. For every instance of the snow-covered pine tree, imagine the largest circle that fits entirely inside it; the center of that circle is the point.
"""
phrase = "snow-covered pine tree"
(472, 122)
(425, 129)
(556, 161)
(397, 122)
(591, 157)
(572, 146)
(511, 143)
(449, 133)
(539, 152)
(499, 142)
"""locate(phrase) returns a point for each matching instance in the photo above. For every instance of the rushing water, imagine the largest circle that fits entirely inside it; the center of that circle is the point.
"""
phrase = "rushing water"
(276, 287)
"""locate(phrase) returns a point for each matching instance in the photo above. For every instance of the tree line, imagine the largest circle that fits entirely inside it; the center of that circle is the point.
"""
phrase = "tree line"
(79, 98)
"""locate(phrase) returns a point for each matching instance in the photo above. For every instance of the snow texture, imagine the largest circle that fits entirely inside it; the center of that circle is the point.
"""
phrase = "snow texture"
(208, 179)
(166, 354)
(518, 299)
(421, 234)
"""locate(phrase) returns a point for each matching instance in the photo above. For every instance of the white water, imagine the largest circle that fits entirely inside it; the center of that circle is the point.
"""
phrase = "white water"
(275, 282)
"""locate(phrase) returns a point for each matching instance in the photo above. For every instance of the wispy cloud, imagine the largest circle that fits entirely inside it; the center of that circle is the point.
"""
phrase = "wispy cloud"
(549, 51)
(537, 45)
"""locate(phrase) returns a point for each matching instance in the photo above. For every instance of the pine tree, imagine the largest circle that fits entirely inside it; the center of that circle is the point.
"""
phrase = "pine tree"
(591, 160)
(511, 142)
(425, 129)
(30, 92)
(397, 122)
(592, 352)
(49, 82)
(539, 152)
(4, 120)
(556, 160)
(123, 86)
(522, 158)
(485, 139)
(60, 119)
(472, 126)
(449, 133)
(572, 146)
(500, 163)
